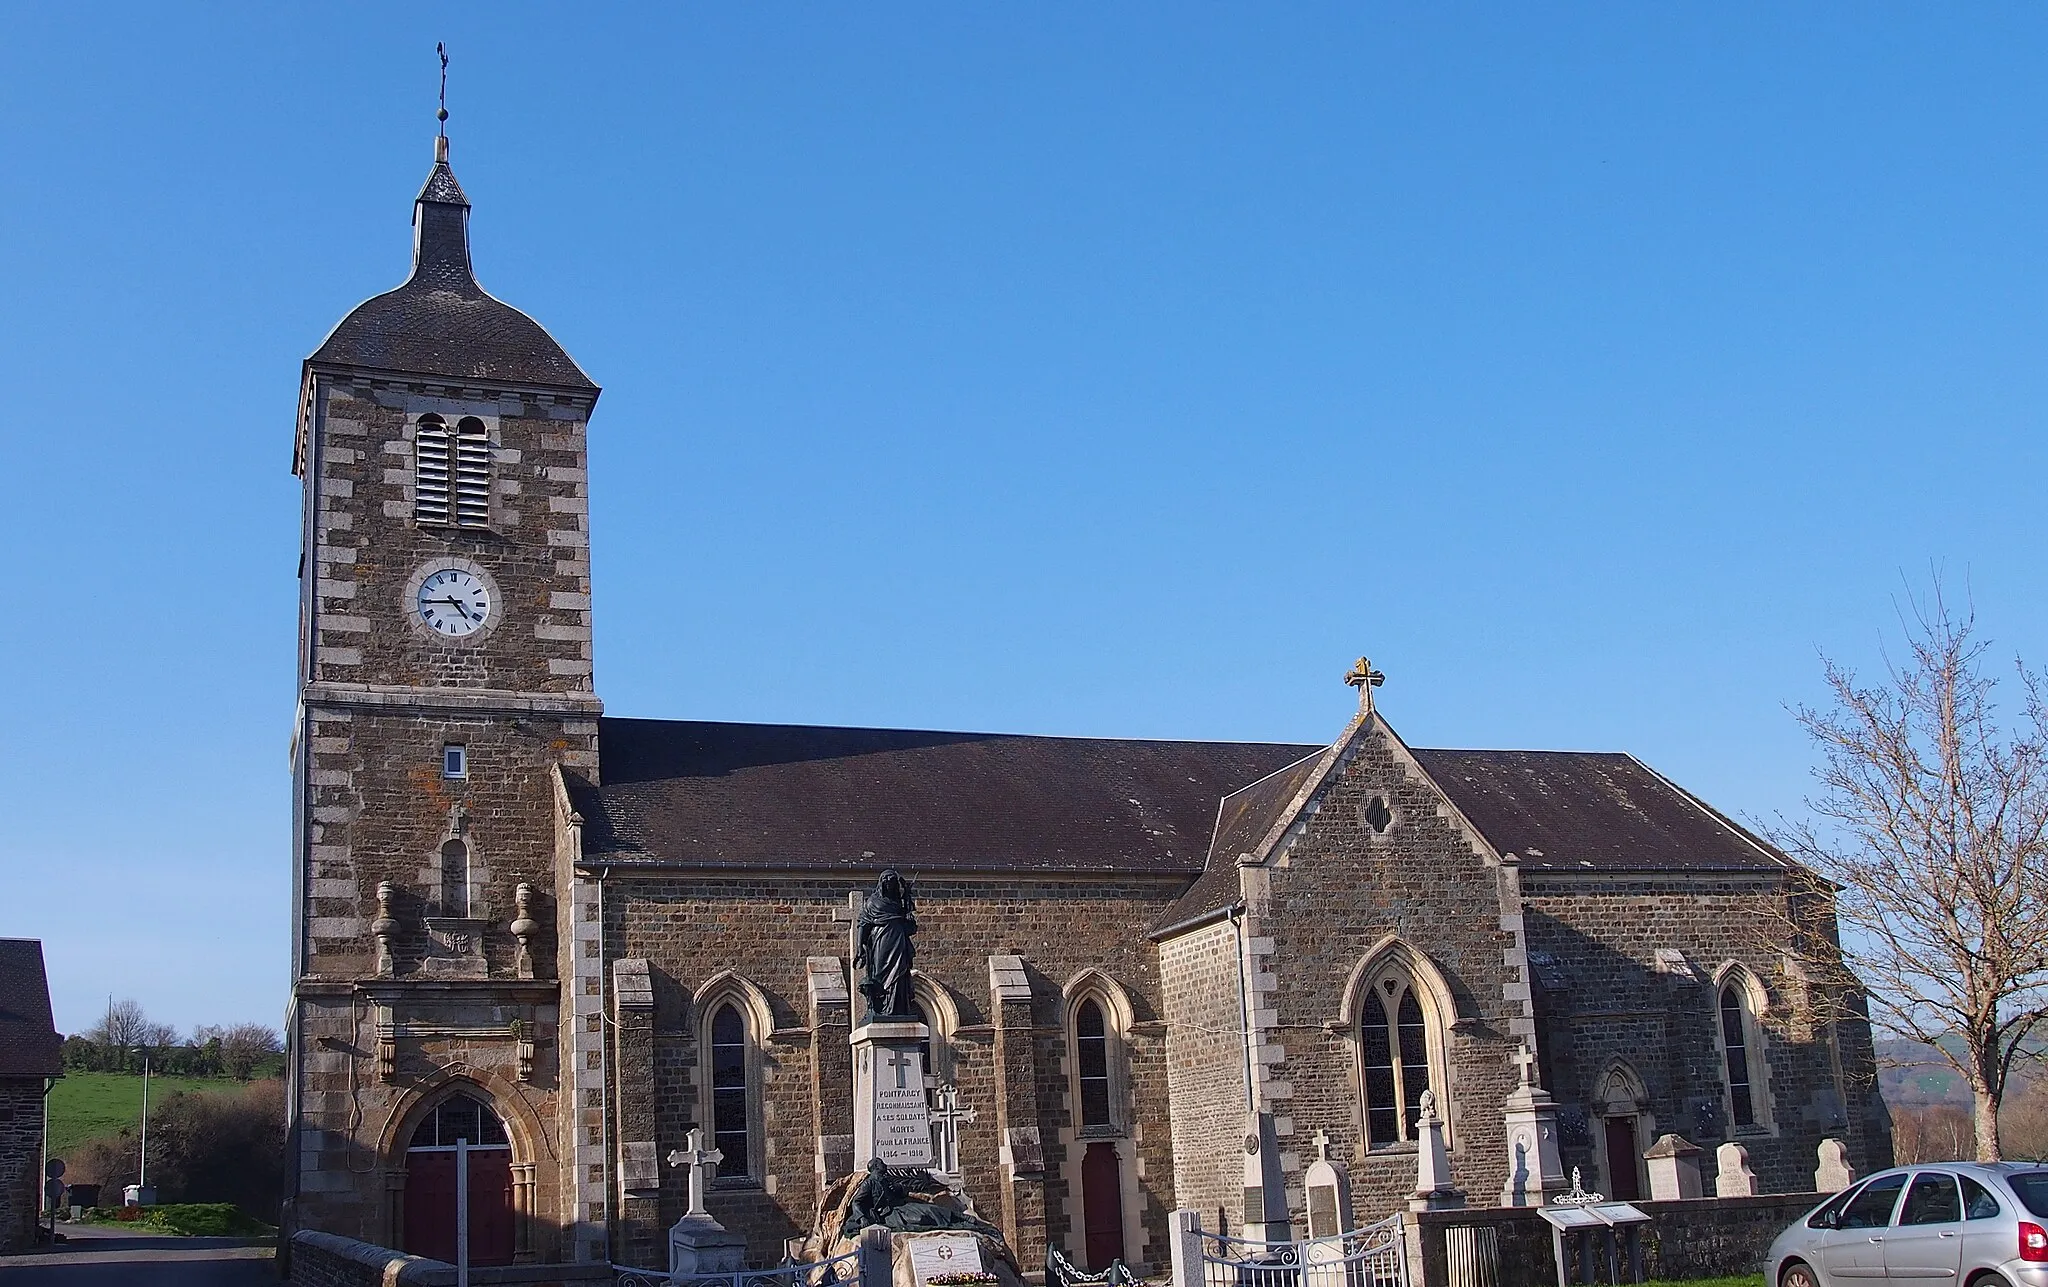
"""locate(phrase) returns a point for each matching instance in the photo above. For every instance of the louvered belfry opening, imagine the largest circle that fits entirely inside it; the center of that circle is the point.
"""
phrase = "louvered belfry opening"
(472, 473)
(452, 472)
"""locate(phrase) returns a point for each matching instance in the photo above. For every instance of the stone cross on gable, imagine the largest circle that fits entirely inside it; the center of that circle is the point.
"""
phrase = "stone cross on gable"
(1364, 678)
(946, 1118)
(703, 1163)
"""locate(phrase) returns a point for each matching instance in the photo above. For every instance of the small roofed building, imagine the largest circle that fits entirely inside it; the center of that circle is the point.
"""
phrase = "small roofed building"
(29, 1058)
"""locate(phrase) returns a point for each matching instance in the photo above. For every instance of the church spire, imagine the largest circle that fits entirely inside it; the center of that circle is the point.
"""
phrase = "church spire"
(440, 218)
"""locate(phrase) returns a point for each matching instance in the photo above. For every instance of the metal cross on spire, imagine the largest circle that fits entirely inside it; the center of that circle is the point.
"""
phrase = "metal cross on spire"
(441, 114)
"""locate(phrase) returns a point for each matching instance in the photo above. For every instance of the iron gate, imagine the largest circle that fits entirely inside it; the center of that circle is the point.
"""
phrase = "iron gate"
(1374, 1256)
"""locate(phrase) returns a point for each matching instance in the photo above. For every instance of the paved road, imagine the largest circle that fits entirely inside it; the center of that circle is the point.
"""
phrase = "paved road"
(96, 1256)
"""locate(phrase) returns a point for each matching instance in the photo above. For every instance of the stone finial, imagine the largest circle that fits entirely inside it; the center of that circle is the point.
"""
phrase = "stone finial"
(384, 929)
(1734, 1179)
(524, 927)
(1834, 1173)
(703, 1163)
(1364, 678)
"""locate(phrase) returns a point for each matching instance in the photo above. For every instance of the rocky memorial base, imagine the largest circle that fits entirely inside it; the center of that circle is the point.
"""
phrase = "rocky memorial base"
(933, 1240)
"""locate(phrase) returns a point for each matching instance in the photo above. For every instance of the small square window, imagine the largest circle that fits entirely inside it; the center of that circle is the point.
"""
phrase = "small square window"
(454, 762)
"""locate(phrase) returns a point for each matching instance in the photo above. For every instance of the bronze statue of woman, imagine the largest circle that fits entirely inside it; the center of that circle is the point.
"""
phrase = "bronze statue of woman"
(884, 953)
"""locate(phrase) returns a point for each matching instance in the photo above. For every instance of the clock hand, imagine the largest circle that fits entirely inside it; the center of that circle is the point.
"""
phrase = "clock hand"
(456, 604)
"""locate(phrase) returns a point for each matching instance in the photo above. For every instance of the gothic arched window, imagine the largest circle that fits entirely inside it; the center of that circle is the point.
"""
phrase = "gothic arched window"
(455, 879)
(463, 1117)
(731, 1091)
(1742, 1050)
(1091, 1057)
(1396, 1048)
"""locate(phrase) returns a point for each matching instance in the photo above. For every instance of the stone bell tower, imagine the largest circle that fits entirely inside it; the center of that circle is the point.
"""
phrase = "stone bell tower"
(444, 690)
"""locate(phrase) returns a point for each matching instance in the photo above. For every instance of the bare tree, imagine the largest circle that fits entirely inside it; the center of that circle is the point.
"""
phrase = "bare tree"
(244, 1045)
(121, 1029)
(1932, 822)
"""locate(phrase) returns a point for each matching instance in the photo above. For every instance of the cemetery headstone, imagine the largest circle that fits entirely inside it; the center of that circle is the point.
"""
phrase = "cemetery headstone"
(1674, 1165)
(1834, 1173)
(1734, 1178)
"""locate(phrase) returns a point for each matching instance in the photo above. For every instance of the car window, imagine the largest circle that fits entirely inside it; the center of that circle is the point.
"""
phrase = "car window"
(1831, 1210)
(2032, 1188)
(1978, 1201)
(1871, 1208)
(1933, 1199)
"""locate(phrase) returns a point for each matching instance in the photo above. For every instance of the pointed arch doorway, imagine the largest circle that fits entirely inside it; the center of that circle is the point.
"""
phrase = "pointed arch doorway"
(430, 1189)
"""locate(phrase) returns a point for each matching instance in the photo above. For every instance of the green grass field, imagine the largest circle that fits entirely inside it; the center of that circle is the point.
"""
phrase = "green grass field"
(86, 1105)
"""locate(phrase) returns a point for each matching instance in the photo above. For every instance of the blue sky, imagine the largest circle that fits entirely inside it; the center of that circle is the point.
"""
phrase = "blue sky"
(1108, 370)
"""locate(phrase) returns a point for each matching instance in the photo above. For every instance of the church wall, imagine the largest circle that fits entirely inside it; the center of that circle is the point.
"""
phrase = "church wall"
(1340, 889)
(1602, 998)
(763, 928)
(1199, 986)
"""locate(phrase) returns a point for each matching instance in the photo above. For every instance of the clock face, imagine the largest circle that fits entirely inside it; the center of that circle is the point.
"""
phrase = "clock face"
(453, 603)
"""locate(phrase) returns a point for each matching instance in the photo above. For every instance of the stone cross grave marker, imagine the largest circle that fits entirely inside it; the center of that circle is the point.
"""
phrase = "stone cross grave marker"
(703, 1163)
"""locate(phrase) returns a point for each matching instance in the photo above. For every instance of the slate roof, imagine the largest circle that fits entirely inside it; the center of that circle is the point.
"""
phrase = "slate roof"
(440, 322)
(1579, 810)
(29, 1044)
(856, 799)
(1553, 810)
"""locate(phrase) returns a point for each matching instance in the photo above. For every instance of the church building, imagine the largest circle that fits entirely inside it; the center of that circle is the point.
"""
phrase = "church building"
(568, 939)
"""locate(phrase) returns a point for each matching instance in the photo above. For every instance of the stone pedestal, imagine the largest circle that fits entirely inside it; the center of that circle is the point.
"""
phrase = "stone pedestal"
(1434, 1190)
(1265, 1189)
(1674, 1165)
(891, 1119)
(699, 1245)
(1535, 1171)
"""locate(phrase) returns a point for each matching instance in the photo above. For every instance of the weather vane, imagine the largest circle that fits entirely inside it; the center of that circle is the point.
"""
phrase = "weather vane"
(442, 114)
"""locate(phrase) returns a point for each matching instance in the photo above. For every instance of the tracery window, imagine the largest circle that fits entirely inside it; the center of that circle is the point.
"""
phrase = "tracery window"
(451, 472)
(460, 1116)
(1394, 1055)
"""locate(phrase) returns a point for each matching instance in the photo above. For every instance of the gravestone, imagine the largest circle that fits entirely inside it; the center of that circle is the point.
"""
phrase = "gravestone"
(1328, 1188)
(1674, 1165)
(1834, 1173)
(1734, 1178)
(1535, 1170)
(697, 1243)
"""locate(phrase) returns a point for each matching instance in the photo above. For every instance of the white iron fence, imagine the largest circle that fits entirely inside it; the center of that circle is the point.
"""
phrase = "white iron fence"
(1374, 1256)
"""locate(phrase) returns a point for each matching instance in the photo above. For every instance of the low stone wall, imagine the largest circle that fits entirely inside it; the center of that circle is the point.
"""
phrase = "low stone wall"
(1700, 1237)
(329, 1260)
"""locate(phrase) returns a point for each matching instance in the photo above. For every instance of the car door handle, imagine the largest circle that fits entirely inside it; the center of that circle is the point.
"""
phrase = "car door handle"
(1876, 1238)
(1948, 1233)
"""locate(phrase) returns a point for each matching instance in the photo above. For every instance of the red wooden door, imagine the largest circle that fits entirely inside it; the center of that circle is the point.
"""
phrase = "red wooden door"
(1623, 1167)
(430, 1205)
(1102, 1205)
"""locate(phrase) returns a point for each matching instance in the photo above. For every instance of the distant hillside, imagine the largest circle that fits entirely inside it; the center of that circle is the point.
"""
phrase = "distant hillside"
(1913, 1075)
(88, 1105)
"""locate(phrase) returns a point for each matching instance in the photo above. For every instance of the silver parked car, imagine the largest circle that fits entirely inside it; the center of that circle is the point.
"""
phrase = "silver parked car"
(1975, 1224)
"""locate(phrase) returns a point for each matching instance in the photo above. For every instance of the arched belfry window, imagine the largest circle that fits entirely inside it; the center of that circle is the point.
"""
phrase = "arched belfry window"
(1742, 1054)
(451, 472)
(455, 879)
